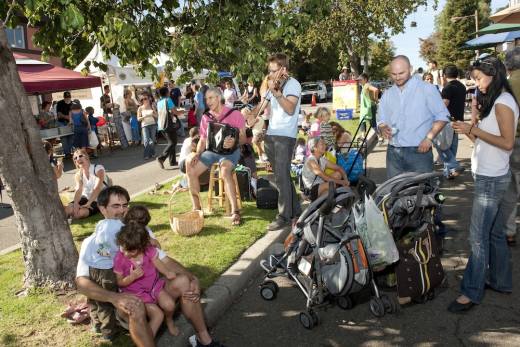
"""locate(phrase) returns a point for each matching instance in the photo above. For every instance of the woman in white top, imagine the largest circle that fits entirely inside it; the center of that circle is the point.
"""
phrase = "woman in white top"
(147, 115)
(230, 95)
(90, 180)
(315, 180)
(489, 265)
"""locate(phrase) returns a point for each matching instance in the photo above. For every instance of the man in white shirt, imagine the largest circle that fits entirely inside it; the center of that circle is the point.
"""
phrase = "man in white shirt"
(113, 204)
(280, 139)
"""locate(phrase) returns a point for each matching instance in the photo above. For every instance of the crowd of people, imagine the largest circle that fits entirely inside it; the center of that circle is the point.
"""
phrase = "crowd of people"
(418, 113)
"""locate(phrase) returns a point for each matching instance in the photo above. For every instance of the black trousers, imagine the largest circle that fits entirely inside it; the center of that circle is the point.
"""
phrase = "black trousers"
(169, 151)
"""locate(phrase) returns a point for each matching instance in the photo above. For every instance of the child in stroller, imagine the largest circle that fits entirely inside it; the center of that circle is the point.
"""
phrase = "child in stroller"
(325, 258)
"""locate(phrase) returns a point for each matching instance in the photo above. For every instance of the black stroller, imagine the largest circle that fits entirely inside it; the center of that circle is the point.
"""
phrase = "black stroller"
(326, 259)
(411, 204)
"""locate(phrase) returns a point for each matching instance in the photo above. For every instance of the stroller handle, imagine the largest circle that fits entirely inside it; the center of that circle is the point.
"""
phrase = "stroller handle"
(416, 179)
(326, 208)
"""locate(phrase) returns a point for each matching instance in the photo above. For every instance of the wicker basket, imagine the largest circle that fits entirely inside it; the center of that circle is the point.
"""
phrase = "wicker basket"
(185, 224)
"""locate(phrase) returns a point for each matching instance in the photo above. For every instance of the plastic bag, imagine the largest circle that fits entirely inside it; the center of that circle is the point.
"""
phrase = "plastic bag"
(93, 140)
(444, 139)
(375, 233)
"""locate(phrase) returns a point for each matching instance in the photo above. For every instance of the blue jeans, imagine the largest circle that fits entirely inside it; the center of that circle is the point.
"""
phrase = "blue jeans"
(449, 156)
(149, 132)
(134, 124)
(66, 141)
(490, 259)
(407, 159)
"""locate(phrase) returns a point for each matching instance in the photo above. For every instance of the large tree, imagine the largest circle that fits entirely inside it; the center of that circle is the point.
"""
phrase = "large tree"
(350, 25)
(455, 25)
(48, 249)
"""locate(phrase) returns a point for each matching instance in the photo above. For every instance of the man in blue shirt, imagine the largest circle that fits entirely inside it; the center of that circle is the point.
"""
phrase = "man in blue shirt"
(411, 114)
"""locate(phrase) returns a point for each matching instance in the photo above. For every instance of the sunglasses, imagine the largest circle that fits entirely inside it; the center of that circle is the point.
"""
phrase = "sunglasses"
(143, 99)
(78, 157)
(480, 62)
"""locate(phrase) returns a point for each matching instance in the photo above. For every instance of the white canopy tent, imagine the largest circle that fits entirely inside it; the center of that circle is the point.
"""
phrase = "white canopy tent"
(118, 76)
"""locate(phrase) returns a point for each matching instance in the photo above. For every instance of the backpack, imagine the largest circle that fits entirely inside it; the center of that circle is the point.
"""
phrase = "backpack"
(165, 119)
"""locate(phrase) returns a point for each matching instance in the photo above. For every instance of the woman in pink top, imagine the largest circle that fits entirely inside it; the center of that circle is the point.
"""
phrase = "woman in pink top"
(136, 267)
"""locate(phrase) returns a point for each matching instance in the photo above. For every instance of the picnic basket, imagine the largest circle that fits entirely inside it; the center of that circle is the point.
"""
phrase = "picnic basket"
(185, 224)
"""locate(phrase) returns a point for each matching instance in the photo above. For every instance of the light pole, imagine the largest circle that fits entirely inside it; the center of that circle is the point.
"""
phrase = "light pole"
(457, 18)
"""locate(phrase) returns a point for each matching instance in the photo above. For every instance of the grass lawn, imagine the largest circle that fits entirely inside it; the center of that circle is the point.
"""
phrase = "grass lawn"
(34, 320)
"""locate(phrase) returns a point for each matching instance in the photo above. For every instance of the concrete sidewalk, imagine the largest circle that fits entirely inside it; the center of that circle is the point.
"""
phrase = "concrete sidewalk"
(251, 321)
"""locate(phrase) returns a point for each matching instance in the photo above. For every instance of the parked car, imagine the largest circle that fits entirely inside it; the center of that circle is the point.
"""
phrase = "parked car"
(314, 88)
(328, 85)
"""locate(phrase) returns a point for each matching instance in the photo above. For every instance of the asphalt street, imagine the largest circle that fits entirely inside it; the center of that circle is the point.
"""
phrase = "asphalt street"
(252, 321)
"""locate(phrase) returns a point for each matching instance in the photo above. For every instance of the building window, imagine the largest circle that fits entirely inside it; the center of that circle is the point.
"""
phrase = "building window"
(16, 37)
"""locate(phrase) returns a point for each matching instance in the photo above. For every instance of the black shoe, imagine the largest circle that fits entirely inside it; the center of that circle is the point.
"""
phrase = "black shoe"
(161, 163)
(278, 224)
(457, 307)
(213, 343)
(488, 286)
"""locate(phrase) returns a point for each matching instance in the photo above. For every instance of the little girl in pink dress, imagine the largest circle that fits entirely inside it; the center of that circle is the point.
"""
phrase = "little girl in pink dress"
(137, 268)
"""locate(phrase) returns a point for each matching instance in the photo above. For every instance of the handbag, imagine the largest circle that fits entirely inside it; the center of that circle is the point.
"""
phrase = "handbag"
(419, 270)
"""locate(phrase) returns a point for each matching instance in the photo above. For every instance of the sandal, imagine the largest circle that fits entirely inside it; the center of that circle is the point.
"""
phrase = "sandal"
(236, 218)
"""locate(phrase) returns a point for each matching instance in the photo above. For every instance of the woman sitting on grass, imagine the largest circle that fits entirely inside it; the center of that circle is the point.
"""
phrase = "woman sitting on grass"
(89, 182)
(315, 180)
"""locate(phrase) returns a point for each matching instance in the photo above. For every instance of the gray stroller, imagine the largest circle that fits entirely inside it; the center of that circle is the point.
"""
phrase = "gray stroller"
(326, 259)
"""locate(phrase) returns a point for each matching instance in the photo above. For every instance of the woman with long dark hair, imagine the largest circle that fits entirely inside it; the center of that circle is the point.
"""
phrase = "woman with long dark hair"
(489, 264)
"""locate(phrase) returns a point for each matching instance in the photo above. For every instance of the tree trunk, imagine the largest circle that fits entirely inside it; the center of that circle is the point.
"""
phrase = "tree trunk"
(49, 252)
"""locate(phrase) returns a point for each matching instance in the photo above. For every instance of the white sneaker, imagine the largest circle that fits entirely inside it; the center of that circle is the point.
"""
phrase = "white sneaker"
(193, 341)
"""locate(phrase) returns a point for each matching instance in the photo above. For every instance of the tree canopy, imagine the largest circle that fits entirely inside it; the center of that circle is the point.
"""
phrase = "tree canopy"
(228, 35)
(453, 27)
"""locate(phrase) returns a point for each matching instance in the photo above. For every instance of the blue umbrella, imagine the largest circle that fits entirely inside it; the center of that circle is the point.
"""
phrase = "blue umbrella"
(491, 40)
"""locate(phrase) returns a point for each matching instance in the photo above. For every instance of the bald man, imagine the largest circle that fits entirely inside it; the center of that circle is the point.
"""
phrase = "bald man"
(411, 114)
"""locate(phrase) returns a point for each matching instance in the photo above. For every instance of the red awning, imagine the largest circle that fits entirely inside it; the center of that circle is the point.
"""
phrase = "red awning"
(39, 77)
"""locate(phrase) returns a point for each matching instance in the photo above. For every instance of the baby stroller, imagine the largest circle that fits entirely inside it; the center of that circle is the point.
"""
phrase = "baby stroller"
(326, 259)
(410, 203)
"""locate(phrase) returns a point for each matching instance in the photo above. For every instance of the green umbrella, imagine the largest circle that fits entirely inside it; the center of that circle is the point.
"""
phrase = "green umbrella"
(498, 28)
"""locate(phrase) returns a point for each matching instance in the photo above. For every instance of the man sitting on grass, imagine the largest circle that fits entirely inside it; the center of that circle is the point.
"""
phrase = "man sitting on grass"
(93, 279)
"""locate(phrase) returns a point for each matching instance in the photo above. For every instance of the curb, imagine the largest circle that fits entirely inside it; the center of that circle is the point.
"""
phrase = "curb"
(19, 245)
(228, 287)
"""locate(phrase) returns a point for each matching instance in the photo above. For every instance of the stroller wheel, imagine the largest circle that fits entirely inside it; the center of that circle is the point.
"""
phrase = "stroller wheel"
(421, 299)
(389, 303)
(268, 290)
(306, 320)
(377, 307)
(430, 295)
(344, 302)
(315, 317)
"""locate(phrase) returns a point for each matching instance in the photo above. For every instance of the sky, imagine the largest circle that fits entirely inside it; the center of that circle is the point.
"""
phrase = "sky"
(407, 43)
